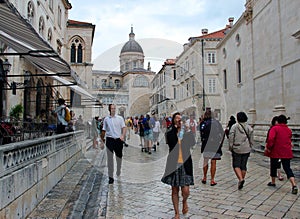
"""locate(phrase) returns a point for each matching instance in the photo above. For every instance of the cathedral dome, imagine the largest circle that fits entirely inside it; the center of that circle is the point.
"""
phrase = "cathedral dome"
(132, 45)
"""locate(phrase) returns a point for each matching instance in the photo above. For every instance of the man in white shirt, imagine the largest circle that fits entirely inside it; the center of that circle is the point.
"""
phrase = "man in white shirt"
(113, 135)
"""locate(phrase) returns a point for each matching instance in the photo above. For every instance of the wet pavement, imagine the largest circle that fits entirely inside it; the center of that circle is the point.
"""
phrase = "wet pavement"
(139, 193)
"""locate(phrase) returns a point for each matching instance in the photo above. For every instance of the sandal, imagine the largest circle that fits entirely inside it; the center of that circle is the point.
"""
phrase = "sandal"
(203, 181)
(213, 183)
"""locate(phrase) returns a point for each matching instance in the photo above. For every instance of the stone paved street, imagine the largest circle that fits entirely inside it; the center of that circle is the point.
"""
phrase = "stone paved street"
(139, 193)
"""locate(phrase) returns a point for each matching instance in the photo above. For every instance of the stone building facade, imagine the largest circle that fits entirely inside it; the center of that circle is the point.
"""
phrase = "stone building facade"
(252, 66)
(162, 100)
(183, 83)
(259, 62)
(128, 88)
(36, 39)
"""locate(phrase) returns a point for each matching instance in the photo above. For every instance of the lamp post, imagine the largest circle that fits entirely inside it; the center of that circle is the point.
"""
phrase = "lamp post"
(26, 95)
(6, 66)
(203, 81)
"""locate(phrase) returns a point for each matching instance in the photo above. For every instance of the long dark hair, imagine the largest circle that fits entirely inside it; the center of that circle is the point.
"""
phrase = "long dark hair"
(173, 117)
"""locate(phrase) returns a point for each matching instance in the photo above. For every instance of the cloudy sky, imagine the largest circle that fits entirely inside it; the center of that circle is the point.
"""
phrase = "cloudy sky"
(171, 20)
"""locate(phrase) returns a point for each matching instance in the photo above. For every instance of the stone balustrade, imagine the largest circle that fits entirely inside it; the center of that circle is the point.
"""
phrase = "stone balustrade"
(30, 169)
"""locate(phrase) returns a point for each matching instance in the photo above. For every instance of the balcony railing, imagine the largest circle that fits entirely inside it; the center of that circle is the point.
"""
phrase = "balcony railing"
(13, 130)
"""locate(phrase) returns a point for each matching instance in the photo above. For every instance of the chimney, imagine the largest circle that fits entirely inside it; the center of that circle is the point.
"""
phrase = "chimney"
(231, 19)
(204, 31)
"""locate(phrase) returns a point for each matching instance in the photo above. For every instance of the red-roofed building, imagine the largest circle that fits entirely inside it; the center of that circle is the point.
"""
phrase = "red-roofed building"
(197, 74)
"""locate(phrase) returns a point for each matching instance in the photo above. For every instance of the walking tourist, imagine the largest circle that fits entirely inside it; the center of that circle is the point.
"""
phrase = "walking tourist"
(212, 136)
(141, 132)
(231, 122)
(240, 143)
(135, 124)
(128, 123)
(148, 135)
(156, 131)
(113, 135)
(179, 167)
(279, 146)
(275, 122)
(192, 124)
(95, 131)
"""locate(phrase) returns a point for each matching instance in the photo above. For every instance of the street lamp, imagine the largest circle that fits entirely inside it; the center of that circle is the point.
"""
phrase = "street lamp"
(203, 91)
(6, 66)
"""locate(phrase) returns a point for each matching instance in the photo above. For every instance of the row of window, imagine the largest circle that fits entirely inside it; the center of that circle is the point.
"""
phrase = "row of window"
(115, 100)
(211, 58)
(139, 81)
(41, 24)
(238, 74)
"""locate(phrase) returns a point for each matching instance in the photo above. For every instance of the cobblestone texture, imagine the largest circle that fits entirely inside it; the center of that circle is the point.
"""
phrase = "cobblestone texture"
(138, 193)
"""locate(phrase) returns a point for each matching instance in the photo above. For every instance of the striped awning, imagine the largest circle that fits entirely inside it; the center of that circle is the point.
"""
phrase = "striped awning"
(77, 89)
(17, 33)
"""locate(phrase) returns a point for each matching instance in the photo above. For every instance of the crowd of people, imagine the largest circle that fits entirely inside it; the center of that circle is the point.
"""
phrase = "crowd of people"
(181, 134)
(179, 168)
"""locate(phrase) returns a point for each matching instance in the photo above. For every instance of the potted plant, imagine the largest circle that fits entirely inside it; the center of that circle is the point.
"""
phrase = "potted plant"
(16, 111)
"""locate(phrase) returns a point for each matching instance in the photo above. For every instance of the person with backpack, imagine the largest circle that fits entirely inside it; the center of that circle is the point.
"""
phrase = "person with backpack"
(61, 113)
(148, 134)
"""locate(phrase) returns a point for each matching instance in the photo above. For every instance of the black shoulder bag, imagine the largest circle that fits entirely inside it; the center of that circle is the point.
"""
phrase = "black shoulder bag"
(246, 134)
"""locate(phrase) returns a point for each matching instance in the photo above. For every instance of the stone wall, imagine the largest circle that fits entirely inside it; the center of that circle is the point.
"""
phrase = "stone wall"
(30, 169)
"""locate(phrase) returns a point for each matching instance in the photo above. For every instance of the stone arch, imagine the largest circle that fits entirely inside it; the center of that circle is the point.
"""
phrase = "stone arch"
(140, 106)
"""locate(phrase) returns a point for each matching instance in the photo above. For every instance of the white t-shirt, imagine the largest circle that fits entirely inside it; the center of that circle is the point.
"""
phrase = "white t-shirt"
(156, 127)
(113, 126)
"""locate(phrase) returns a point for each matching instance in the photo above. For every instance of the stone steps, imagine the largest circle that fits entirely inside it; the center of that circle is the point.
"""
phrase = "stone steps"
(82, 193)
(260, 140)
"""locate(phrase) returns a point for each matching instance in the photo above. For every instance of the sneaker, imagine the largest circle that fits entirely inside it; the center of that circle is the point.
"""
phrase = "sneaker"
(295, 190)
(149, 152)
(111, 180)
(157, 143)
(271, 184)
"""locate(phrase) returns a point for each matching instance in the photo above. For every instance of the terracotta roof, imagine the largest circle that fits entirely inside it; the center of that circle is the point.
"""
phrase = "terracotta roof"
(214, 35)
(81, 24)
(170, 62)
(78, 22)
